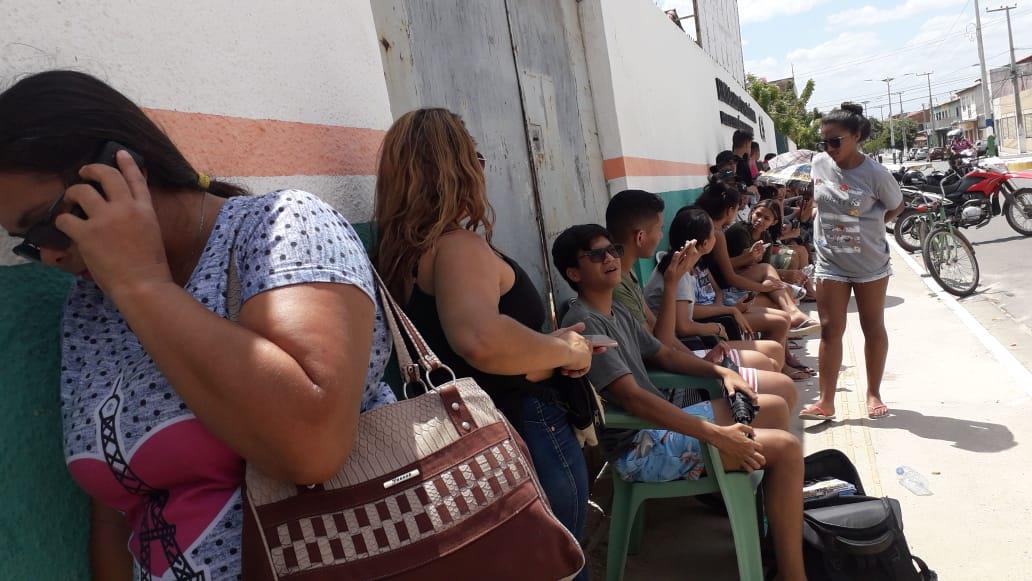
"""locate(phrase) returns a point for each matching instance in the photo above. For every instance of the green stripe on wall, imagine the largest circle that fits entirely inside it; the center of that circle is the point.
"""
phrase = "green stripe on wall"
(674, 200)
(44, 521)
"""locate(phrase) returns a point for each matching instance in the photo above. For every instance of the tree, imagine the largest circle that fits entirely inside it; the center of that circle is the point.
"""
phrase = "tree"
(880, 140)
(788, 111)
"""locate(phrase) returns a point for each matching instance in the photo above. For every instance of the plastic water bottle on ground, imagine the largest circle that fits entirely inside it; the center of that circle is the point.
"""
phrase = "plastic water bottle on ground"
(913, 481)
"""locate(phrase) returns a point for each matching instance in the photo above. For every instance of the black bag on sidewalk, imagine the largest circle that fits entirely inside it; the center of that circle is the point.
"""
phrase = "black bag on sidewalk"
(854, 538)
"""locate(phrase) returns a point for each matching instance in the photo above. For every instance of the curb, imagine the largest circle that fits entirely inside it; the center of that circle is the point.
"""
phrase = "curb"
(1005, 358)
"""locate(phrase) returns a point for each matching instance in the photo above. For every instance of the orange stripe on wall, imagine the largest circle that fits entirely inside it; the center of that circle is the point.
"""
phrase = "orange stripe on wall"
(235, 146)
(621, 167)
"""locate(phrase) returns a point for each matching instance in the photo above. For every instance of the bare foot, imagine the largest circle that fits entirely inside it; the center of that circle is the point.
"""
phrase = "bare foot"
(876, 408)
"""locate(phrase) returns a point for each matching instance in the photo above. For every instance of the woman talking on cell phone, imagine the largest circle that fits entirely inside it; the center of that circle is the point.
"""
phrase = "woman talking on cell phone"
(855, 197)
(163, 397)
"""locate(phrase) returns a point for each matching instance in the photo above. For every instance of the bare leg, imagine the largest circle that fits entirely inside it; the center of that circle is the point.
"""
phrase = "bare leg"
(800, 257)
(755, 359)
(832, 304)
(783, 482)
(779, 299)
(870, 301)
(770, 349)
(780, 385)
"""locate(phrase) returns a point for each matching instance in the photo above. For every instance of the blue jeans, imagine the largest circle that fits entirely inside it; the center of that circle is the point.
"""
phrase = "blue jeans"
(559, 463)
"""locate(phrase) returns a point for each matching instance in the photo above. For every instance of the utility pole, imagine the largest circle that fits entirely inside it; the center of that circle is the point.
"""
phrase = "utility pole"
(892, 127)
(902, 125)
(1014, 80)
(987, 103)
(931, 110)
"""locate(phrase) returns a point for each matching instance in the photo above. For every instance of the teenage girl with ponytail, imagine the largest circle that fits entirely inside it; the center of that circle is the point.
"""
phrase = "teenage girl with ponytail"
(855, 197)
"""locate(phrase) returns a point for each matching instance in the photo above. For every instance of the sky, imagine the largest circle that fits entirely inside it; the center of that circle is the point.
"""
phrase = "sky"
(842, 43)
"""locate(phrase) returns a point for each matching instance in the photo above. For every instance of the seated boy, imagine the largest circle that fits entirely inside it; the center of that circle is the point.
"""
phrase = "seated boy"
(635, 220)
(590, 263)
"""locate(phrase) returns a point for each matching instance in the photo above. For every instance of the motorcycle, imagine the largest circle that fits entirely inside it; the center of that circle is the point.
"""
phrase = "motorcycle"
(974, 199)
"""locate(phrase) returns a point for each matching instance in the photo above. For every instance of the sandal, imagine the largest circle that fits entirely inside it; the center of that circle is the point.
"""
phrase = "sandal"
(814, 412)
(807, 370)
(878, 411)
(796, 374)
(807, 327)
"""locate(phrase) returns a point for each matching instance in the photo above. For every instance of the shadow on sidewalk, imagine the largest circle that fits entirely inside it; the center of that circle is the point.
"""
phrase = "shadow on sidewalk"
(968, 435)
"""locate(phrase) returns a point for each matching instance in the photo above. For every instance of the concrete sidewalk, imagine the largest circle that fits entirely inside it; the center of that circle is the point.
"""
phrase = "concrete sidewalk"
(958, 416)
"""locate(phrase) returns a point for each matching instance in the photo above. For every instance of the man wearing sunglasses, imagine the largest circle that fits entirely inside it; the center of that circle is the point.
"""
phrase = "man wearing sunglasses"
(590, 262)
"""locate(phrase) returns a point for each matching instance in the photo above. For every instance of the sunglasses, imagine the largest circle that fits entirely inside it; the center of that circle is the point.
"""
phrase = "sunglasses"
(830, 143)
(598, 255)
(44, 234)
(482, 160)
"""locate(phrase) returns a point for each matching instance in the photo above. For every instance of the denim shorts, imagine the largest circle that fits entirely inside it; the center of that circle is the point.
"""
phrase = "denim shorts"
(663, 455)
(821, 274)
(733, 296)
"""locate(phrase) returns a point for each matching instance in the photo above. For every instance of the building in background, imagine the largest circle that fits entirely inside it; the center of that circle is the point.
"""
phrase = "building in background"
(919, 118)
(972, 111)
(1004, 114)
(947, 115)
(720, 35)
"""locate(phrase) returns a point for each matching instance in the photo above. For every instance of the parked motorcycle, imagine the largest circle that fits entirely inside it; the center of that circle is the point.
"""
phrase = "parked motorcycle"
(974, 200)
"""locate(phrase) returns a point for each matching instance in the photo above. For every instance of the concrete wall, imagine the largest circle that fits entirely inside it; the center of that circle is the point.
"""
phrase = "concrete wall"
(515, 70)
(720, 34)
(1005, 119)
(656, 101)
(270, 96)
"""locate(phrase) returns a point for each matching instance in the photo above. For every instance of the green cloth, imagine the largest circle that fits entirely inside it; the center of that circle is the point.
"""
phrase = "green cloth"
(630, 295)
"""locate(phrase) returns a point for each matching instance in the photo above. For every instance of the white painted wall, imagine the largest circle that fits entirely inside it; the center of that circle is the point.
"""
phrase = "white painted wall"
(318, 64)
(655, 92)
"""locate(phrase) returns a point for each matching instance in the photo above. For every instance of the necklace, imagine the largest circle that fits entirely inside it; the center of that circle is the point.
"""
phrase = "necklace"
(200, 227)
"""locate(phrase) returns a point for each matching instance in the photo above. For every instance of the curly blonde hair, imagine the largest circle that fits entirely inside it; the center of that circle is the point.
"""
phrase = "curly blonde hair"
(429, 182)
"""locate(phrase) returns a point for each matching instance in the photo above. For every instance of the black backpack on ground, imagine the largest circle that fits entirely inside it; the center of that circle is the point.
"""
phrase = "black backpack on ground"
(854, 538)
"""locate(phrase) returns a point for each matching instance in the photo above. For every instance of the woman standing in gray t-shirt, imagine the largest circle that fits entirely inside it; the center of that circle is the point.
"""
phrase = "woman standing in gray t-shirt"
(855, 197)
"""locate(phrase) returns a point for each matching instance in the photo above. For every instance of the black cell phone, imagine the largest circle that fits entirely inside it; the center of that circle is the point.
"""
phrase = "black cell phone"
(743, 410)
(107, 157)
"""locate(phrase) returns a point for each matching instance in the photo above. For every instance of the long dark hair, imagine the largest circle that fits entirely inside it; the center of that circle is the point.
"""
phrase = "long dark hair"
(774, 207)
(57, 121)
(850, 116)
(690, 223)
(717, 198)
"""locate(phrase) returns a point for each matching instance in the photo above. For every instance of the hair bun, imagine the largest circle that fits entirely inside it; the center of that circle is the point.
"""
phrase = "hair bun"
(854, 108)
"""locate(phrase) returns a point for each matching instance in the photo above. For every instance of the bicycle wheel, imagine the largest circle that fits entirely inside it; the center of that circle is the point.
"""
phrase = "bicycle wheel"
(950, 259)
(906, 230)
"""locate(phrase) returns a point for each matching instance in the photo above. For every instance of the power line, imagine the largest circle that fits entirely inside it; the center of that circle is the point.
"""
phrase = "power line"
(906, 47)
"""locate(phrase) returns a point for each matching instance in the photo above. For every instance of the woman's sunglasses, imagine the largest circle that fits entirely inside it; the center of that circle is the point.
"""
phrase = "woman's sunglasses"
(44, 234)
(598, 255)
(830, 143)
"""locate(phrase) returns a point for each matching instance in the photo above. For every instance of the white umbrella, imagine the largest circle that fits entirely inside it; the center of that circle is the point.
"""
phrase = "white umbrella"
(790, 158)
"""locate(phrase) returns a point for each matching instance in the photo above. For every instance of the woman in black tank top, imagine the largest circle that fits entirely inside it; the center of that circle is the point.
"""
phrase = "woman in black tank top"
(476, 308)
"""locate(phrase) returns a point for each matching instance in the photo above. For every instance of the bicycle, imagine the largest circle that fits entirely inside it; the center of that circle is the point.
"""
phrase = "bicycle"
(948, 255)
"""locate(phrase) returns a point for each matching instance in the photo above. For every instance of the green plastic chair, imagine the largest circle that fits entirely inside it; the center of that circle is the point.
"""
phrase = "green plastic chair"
(627, 521)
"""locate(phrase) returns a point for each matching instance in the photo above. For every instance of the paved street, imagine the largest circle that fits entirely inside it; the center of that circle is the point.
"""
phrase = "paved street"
(1003, 303)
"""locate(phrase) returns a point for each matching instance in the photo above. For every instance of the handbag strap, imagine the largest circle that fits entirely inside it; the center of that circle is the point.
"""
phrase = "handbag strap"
(402, 328)
(400, 325)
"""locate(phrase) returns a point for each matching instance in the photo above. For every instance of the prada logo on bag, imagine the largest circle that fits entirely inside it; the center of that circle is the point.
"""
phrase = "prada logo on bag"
(401, 478)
